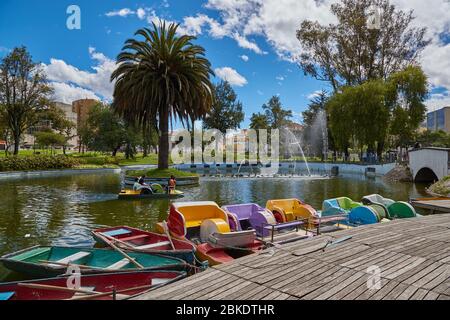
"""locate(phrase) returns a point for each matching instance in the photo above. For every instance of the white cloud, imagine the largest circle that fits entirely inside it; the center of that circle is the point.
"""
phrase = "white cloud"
(315, 94)
(438, 101)
(141, 13)
(70, 82)
(125, 12)
(244, 57)
(67, 93)
(231, 75)
(280, 78)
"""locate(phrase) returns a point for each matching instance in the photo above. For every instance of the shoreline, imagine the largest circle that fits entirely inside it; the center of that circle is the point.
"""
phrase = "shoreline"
(55, 172)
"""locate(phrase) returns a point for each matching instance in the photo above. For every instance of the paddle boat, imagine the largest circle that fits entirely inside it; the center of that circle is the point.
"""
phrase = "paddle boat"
(356, 212)
(137, 240)
(206, 225)
(252, 216)
(123, 285)
(286, 210)
(388, 208)
(42, 262)
(154, 191)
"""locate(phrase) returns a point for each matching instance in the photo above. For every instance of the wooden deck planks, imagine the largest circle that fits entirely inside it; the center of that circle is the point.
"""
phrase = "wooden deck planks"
(413, 255)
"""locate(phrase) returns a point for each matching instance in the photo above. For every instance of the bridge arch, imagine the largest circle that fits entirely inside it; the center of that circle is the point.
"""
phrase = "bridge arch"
(426, 175)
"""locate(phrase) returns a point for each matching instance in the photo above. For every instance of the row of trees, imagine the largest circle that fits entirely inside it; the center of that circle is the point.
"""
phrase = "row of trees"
(377, 85)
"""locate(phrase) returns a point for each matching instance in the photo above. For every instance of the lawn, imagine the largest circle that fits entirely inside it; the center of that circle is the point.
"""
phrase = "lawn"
(156, 173)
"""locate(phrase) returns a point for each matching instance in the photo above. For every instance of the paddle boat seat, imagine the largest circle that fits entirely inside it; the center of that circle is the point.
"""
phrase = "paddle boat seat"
(286, 210)
(243, 217)
(118, 265)
(4, 296)
(392, 209)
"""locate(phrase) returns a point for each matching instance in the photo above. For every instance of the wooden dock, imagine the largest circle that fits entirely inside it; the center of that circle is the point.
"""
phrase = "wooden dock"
(412, 254)
(433, 205)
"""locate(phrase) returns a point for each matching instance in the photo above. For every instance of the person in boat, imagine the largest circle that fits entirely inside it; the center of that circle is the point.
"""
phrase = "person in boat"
(172, 184)
(137, 186)
(142, 180)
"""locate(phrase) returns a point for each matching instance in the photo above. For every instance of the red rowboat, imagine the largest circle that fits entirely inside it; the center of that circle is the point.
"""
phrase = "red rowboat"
(92, 287)
(137, 240)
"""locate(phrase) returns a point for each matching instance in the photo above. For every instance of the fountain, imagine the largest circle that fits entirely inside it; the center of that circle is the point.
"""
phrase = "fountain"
(295, 141)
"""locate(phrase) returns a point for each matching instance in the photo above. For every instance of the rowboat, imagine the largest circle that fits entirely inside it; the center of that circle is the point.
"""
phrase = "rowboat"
(155, 191)
(125, 285)
(206, 225)
(41, 261)
(136, 240)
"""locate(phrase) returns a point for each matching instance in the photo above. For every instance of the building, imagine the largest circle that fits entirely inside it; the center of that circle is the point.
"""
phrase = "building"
(2, 145)
(71, 116)
(82, 108)
(439, 120)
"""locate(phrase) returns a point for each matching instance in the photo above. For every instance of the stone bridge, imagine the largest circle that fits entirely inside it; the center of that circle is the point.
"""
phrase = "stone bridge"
(429, 164)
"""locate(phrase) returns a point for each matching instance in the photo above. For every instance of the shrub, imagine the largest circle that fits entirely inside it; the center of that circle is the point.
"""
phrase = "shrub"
(37, 162)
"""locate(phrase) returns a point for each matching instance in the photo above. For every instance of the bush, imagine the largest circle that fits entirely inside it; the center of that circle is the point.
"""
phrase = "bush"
(99, 161)
(37, 162)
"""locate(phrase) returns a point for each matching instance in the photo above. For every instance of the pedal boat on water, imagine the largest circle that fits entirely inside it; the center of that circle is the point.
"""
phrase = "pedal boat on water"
(155, 191)
(206, 225)
(132, 239)
(47, 262)
(125, 285)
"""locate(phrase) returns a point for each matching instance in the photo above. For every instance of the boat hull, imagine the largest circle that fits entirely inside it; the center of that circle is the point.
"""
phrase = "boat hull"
(183, 250)
(102, 283)
(134, 195)
(30, 261)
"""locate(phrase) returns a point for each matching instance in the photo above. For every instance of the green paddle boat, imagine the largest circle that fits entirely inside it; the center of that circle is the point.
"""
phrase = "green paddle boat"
(388, 208)
(41, 262)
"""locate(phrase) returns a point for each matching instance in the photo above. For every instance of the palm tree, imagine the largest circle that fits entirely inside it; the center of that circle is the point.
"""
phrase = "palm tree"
(163, 78)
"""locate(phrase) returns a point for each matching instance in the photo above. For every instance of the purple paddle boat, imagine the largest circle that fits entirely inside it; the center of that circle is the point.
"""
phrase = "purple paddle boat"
(249, 216)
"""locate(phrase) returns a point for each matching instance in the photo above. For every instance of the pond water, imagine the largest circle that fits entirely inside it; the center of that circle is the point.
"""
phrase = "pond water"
(63, 210)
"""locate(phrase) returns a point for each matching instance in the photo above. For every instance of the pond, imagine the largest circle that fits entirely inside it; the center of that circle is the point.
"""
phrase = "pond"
(63, 210)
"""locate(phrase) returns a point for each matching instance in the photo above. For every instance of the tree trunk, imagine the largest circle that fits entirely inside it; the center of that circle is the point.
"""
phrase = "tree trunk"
(16, 143)
(163, 155)
(380, 147)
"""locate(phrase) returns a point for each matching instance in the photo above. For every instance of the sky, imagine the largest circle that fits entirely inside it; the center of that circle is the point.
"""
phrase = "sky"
(250, 43)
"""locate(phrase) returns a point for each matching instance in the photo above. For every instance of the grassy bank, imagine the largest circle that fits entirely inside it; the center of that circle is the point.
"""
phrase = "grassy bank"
(156, 173)
(442, 187)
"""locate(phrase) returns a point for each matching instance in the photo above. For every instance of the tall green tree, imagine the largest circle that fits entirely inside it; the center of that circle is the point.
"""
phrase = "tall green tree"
(259, 121)
(61, 124)
(226, 112)
(409, 89)
(276, 115)
(161, 78)
(24, 93)
(105, 131)
(350, 52)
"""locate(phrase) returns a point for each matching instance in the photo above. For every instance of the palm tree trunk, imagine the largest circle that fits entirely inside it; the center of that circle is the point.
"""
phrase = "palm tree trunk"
(163, 155)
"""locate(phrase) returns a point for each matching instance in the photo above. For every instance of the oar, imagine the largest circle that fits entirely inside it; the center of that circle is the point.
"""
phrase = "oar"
(56, 288)
(140, 266)
(100, 295)
(116, 240)
(166, 230)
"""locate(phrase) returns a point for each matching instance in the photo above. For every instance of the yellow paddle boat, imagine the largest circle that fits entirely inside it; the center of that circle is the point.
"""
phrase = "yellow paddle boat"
(154, 191)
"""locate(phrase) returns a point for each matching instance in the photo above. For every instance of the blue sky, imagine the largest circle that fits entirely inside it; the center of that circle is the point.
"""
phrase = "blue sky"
(79, 62)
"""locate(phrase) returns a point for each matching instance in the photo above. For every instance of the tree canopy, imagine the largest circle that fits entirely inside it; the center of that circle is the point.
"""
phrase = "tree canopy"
(349, 52)
(24, 93)
(161, 78)
(226, 111)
